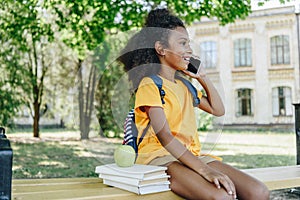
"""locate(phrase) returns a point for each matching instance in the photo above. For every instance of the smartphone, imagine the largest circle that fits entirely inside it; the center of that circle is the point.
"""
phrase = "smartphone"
(194, 65)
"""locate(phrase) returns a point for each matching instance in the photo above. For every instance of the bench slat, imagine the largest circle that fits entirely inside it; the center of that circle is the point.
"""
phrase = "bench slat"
(93, 188)
(277, 177)
(77, 188)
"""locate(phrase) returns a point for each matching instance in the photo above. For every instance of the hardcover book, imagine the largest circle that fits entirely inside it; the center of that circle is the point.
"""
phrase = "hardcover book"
(145, 189)
(136, 171)
(140, 179)
(135, 181)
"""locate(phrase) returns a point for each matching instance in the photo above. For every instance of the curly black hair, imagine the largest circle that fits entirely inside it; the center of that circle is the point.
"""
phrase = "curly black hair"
(140, 53)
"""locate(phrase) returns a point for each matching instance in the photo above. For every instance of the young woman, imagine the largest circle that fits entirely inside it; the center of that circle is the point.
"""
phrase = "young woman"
(162, 48)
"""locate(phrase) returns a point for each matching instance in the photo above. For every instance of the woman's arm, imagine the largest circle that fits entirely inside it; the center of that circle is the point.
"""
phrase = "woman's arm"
(212, 102)
(160, 125)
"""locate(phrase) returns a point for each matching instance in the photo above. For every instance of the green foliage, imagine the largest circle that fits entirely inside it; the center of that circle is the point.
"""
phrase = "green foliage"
(9, 81)
(112, 97)
(85, 23)
(224, 11)
(262, 2)
(20, 19)
(205, 121)
(106, 94)
(8, 106)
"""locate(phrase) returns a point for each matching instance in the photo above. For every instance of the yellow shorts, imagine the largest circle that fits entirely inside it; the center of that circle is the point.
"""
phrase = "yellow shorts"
(163, 161)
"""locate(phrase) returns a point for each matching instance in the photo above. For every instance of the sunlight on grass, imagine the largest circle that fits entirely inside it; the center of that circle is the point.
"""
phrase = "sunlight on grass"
(53, 163)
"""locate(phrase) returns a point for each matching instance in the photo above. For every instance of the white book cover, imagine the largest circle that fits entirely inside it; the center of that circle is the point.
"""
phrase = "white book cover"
(136, 171)
(147, 189)
(134, 181)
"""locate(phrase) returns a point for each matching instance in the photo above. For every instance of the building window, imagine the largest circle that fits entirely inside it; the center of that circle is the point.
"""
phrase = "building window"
(282, 101)
(208, 54)
(242, 53)
(280, 50)
(244, 102)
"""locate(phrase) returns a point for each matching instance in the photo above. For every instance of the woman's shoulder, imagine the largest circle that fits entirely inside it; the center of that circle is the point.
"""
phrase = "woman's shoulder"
(146, 80)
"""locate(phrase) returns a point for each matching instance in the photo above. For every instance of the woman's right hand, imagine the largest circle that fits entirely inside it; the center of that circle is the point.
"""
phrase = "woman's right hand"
(219, 179)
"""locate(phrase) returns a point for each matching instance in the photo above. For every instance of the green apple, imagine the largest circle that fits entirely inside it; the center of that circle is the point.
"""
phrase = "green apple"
(124, 156)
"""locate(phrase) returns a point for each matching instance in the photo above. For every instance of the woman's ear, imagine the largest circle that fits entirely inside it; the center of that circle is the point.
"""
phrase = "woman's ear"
(159, 48)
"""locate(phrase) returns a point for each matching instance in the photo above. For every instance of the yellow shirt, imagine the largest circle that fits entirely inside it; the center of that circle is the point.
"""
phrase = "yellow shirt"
(179, 112)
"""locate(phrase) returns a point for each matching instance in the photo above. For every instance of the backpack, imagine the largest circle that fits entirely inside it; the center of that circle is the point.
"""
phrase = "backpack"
(130, 130)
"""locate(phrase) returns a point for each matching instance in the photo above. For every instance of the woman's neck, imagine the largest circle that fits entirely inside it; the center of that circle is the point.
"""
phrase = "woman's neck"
(167, 73)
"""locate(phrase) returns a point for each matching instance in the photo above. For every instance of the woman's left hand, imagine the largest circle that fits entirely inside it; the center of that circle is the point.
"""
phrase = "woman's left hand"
(200, 73)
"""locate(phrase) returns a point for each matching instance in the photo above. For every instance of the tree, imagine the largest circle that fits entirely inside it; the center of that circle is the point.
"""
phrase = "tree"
(84, 25)
(27, 34)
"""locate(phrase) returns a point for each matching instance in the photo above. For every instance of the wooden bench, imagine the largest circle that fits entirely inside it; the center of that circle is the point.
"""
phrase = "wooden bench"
(277, 177)
(92, 188)
(75, 189)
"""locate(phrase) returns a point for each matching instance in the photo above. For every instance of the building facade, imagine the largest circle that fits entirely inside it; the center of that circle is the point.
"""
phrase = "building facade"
(255, 64)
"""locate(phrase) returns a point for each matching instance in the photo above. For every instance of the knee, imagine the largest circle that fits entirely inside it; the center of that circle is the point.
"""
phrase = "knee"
(260, 192)
(175, 184)
(263, 192)
(219, 196)
(208, 195)
(180, 190)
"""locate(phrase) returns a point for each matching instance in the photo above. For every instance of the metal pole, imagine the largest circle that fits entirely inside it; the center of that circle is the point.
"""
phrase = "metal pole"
(297, 130)
(298, 34)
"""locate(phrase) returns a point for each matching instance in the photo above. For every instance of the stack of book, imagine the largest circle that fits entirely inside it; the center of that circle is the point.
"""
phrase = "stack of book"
(140, 179)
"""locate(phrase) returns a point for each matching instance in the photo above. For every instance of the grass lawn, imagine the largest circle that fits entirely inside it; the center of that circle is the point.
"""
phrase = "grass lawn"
(55, 154)
(60, 153)
(252, 149)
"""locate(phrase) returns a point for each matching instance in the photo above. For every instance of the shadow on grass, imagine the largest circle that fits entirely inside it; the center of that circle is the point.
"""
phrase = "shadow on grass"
(244, 161)
(51, 160)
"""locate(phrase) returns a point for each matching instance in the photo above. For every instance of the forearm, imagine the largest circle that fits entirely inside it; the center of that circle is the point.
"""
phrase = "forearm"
(179, 151)
(170, 143)
(212, 103)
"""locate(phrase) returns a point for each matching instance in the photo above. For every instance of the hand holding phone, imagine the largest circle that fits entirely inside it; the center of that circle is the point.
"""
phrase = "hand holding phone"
(194, 65)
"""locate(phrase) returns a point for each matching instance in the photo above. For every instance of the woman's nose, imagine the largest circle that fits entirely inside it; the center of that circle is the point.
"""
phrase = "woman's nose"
(189, 49)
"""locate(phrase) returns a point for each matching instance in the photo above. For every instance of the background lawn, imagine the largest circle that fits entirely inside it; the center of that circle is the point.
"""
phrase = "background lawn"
(253, 149)
(60, 153)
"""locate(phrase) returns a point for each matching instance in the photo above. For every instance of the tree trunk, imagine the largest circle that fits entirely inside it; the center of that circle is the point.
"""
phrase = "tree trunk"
(80, 99)
(36, 119)
(83, 122)
(86, 100)
(35, 93)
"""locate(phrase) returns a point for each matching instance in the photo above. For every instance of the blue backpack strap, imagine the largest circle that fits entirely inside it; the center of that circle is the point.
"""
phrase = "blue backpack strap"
(158, 82)
(143, 134)
(192, 89)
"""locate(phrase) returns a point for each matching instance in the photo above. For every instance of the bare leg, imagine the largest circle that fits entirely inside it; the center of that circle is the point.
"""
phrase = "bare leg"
(190, 185)
(246, 186)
